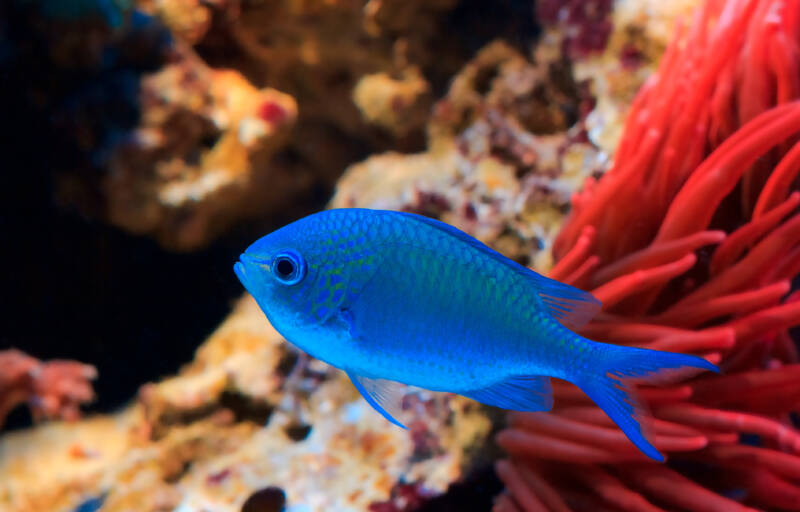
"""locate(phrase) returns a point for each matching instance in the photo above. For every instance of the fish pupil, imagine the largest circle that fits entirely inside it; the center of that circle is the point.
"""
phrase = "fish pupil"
(284, 268)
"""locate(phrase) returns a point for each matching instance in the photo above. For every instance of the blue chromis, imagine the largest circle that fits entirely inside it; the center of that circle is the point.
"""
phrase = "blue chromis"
(398, 299)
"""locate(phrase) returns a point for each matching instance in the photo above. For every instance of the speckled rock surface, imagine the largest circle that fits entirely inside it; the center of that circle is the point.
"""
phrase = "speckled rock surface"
(506, 148)
(641, 31)
(243, 416)
(199, 158)
(354, 69)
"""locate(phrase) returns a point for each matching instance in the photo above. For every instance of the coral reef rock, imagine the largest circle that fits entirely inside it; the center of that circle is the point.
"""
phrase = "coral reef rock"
(399, 105)
(135, 95)
(640, 32)
(141, 132)
(319, 52)
(501, 163)
(246, 415)
(199, 158)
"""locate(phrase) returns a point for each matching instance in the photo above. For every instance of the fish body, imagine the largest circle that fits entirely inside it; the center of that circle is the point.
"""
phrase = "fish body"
(396, 298)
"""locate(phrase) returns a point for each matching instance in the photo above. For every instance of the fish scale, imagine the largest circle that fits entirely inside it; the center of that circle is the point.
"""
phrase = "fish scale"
(398, 299)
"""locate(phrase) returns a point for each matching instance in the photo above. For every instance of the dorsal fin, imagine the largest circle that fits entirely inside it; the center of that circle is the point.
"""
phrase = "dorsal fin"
(454, 231)
(569, 305)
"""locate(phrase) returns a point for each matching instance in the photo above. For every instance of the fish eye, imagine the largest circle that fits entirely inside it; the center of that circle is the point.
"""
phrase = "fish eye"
(288, 268)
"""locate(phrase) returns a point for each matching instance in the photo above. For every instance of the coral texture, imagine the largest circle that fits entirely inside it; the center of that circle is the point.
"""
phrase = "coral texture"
(143, 133)
(585, 24)
(54, 389)
(319, 51)
(147, 141)
(641, 32)
(360, 72)
(245, 421)
(500, 163)
(200, 156)
(691, 241)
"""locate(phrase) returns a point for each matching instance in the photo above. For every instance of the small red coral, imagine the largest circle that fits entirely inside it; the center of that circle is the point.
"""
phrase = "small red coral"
(54, 389)
(691, 241)
(272, 112)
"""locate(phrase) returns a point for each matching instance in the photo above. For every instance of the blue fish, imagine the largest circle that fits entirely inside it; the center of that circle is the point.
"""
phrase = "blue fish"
(398, 299)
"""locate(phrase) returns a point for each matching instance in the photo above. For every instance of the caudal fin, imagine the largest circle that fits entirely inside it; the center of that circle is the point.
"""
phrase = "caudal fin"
(614, 368)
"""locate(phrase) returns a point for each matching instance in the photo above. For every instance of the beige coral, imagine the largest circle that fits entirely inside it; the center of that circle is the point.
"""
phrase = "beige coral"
(350, 458)
(500, 163)
(200, 156)
(396, 104)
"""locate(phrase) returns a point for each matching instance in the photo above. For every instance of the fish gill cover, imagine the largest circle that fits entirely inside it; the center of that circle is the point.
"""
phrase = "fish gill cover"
(691, 241)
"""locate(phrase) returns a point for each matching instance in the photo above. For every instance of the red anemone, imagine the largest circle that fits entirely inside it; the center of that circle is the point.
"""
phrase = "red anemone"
(691, 241)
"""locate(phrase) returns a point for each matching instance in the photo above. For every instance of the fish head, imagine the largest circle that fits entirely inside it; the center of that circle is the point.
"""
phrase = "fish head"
(276, 271)
(303, 276)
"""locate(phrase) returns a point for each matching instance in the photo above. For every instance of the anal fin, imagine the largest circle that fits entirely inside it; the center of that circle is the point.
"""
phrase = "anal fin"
(385, 396)
(517, 393)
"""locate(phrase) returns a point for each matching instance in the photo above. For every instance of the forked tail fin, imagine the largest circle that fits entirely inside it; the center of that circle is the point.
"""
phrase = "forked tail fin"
(615, 367)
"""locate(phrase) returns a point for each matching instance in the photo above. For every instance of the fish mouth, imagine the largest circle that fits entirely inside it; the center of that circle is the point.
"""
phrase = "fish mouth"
(245, 261)
(248, 258)
(239, 270)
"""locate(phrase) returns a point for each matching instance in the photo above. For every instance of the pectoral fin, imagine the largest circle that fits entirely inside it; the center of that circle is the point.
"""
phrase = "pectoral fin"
(385, 396)
(518, 393)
